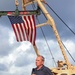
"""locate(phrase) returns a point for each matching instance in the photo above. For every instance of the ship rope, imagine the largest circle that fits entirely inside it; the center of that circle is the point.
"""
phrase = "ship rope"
(47, 44)
(66, 26)
(60, 19)
(33, 6)
(68, 52)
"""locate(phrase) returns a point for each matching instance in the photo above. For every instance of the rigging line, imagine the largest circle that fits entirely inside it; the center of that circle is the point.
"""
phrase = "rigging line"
(67, 26)
(43, 13)
(61, 19)
(68, 52)
(44, 35)
(47, 44)
(33, 5)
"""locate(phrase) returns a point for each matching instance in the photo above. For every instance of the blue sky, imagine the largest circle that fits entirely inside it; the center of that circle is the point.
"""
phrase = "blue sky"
(19, 58)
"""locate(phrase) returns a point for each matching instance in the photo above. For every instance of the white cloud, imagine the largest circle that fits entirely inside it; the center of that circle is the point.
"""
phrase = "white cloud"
(11, 39)
(23, 57)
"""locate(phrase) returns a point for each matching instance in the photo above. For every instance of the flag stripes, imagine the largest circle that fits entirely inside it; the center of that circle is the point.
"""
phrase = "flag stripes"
(24, 28)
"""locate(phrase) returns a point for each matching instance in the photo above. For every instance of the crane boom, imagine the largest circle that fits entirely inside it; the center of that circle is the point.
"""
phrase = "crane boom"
(52, 24)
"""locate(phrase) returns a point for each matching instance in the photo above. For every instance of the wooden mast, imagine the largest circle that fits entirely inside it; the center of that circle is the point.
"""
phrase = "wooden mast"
(24, 8)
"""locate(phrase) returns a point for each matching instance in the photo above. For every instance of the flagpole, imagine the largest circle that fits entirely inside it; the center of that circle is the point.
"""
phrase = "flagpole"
(36, 50)
(35, 47)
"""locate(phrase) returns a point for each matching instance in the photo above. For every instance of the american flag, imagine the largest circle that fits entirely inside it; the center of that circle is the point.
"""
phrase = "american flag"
(24, 28)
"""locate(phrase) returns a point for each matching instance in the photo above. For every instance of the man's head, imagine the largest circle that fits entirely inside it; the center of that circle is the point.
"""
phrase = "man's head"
(39, 61)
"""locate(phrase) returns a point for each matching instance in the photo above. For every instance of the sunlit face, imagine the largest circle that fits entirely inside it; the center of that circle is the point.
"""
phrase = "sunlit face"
(39, 61)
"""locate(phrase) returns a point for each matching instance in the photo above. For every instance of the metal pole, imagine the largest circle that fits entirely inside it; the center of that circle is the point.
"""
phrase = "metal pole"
(36, 50)
(52, 24)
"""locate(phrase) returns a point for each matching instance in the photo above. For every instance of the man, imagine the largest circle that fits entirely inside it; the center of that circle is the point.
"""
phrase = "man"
(41, 69)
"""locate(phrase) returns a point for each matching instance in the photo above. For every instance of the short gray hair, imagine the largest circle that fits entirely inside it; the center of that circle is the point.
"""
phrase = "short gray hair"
(43, 59)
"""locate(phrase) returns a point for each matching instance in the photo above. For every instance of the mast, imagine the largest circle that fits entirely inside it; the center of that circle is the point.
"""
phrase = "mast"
(51, 22)
(24, 9)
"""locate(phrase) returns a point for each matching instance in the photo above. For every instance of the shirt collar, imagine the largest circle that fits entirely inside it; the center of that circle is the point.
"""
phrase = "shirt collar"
(41, 68)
